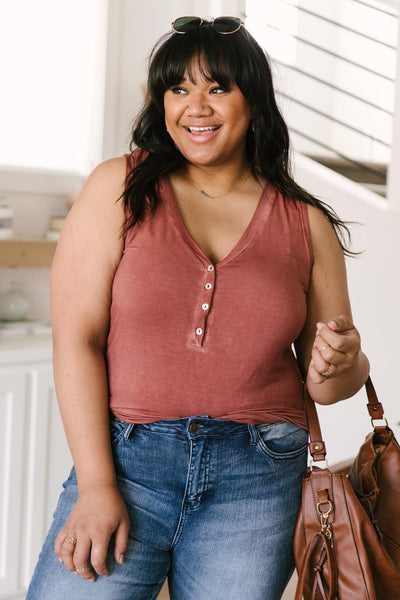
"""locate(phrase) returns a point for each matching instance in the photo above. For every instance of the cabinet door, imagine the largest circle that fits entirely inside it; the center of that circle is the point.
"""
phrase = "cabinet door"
(13, 385)
(47, 462)
(34, 461)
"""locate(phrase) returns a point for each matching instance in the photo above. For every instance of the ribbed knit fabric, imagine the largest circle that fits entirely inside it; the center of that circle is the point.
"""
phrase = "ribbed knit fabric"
(188, 337)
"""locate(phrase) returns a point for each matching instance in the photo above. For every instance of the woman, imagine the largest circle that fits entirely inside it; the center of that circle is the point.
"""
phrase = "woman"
(178, 335)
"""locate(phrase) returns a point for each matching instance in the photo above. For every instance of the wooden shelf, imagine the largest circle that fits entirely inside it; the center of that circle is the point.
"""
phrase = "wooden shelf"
(27, 252)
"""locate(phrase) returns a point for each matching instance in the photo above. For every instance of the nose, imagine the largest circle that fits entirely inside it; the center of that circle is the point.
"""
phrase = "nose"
(198, 105)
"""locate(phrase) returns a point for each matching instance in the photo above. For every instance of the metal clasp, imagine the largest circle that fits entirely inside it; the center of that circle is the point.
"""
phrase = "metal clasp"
(323, 518)
(321, 464)
(384, 419)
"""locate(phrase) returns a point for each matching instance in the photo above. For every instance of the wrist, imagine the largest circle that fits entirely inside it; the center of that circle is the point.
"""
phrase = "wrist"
(89, 480)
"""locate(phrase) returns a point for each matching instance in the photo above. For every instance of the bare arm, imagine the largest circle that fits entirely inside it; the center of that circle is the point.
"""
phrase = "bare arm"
(329, 342)
(86, 259)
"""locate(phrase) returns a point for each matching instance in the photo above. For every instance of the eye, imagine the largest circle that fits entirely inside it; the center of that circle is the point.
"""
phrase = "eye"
(178, 90)
(218, 90)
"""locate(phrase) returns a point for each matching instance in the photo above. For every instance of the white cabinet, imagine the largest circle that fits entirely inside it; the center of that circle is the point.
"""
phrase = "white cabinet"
(34, 457)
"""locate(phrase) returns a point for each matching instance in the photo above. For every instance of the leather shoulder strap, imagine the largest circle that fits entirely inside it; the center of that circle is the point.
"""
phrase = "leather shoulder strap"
(317, 445)
(375, 407)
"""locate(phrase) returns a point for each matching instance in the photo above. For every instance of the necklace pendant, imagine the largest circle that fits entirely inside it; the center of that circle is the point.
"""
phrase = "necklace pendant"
(205, 194)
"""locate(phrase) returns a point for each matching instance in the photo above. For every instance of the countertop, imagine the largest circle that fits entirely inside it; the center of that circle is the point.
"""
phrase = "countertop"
(17, 348)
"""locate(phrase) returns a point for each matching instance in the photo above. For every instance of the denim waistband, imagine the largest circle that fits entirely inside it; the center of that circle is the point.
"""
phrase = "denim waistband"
(196, 426)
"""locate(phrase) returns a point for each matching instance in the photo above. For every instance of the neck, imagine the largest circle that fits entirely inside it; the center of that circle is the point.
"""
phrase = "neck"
(214, 182)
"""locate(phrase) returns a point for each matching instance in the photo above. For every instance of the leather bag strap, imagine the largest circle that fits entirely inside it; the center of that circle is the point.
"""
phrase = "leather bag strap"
(375, 408)
(317, 445)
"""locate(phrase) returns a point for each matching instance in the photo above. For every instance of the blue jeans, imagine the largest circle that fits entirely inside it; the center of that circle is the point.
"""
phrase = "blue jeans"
(212, 503)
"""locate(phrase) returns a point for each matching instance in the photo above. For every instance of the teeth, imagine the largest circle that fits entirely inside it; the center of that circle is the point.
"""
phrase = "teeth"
(196, 129)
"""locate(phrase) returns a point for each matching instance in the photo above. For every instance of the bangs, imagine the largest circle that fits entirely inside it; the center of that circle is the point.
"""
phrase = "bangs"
(213, 54)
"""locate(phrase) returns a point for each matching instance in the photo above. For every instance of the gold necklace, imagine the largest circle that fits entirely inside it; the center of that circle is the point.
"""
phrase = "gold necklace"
(209, 196)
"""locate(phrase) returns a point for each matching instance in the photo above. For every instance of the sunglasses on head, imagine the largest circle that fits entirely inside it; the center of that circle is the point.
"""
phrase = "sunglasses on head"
(223, 25)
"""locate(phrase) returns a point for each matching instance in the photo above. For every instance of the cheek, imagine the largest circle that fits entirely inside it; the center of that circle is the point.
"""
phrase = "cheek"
(170, 120)
(167, 113)
(172, 111)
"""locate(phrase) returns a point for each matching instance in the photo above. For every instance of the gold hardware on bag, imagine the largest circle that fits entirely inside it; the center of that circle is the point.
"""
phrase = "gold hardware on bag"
(323, 518)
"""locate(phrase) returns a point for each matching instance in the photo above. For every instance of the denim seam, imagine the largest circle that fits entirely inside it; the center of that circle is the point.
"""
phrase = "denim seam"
(128, 431)
(279, 456)
(199, 498)
(183, 515)
(253, 434)
(116, 440)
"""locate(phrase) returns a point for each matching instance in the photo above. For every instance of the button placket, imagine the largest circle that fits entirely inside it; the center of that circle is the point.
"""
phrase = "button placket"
(205, 305)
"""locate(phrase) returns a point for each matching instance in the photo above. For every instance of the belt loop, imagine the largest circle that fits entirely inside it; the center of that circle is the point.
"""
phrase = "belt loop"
(253, 434)
(129, 431)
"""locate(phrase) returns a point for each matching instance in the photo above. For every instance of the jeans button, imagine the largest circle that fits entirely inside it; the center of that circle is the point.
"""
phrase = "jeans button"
(193, 427)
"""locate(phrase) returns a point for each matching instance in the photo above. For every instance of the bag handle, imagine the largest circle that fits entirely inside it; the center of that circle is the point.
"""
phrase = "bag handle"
(375, 408)
(316, 446)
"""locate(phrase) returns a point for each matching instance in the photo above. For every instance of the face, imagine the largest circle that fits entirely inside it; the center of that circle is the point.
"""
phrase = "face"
(207, 123)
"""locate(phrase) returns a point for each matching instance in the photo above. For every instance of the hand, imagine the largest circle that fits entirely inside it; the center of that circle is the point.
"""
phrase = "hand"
(336, 347)
(97, 515)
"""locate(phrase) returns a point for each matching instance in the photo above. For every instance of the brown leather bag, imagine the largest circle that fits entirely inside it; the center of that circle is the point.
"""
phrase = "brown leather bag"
(347, 538)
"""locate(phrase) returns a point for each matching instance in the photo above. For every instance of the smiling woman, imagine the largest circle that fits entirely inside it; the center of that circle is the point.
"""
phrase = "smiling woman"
(208, 123)
(185, 273)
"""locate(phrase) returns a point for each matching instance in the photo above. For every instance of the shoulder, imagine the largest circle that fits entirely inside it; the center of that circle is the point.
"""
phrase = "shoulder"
(103, 188)
(323, 236)
(110, 174)
(99, 209)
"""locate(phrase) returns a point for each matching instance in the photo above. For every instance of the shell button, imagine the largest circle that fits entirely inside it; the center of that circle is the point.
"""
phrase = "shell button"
(205, 306)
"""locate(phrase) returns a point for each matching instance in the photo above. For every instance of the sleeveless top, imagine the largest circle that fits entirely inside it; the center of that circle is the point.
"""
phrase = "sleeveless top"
(188, 337)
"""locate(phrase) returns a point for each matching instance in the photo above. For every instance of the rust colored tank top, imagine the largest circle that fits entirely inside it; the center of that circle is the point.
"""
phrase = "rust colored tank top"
(188, 337)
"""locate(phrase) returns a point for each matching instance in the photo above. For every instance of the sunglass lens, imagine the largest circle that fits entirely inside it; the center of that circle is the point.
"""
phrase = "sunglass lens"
(186, 24)
(227, 24)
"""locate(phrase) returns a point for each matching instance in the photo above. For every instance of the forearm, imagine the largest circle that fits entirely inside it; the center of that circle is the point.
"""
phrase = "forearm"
(343, 386)
(82, 392)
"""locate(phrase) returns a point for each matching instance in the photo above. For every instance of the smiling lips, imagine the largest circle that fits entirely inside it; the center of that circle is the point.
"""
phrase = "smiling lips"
(202, 134)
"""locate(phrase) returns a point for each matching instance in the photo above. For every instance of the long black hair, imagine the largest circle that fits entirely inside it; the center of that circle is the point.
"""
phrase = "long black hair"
(225, 59)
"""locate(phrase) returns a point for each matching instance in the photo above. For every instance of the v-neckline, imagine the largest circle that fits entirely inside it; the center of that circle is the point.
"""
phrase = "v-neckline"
(249, 234)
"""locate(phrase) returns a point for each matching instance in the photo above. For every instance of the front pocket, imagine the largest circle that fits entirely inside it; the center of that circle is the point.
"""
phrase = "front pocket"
(282, 440)
(118, 429)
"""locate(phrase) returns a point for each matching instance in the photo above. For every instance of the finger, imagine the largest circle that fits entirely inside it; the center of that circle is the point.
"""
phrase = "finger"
(121, 542)
(59, 542)
(85, 573)
(80, 558)
(314, 374)
(343, 341)
(67, 551)
(330, 371)
(319, 363)
(328, 352)
(340, 323)
(99, 553)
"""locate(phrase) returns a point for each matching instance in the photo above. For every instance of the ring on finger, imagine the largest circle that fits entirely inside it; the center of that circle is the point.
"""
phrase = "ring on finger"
(82, 569)
(328, 371)
(70, 539)
(324, 348)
